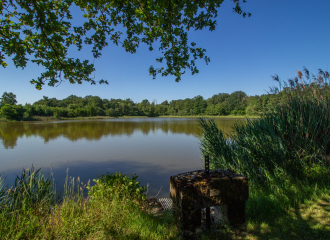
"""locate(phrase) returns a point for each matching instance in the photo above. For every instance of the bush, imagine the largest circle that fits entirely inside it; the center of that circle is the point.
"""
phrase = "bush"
(111, 112)
(80, 112)
(234, 112)
(60, 112)
(72, 113)
(7, 112)
(241, 112)
(117, 185)
(28, 111)
(12, 112)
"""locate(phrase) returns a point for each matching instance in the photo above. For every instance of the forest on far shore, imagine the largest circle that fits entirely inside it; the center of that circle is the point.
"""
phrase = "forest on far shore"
(222, 104)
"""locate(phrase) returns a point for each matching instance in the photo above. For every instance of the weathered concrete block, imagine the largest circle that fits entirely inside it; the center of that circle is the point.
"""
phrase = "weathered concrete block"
(192, 191)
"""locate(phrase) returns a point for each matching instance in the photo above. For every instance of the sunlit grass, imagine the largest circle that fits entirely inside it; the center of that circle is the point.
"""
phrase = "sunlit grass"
(310, 220)
(114, 209)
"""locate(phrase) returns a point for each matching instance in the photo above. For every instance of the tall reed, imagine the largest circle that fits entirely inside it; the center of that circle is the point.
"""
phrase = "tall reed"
(285, 143)
(2, 193)
(29, 190)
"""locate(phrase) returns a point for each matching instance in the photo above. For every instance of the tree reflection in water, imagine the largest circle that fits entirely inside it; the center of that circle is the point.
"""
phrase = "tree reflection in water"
(96, 129)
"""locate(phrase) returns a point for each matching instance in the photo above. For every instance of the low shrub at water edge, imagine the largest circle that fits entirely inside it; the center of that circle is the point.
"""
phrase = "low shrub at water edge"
(117, 185)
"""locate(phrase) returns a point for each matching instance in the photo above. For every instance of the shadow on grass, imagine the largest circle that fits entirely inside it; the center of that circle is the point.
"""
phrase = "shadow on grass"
(310, 221)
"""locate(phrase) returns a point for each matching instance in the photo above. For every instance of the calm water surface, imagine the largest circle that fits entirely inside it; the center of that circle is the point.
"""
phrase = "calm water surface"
(153, 148)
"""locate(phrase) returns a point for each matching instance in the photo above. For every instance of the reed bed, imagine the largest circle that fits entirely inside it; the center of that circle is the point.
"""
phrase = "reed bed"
(285, 152)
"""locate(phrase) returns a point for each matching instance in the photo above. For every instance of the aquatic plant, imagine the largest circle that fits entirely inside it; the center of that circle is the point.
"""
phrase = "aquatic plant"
(29, 190)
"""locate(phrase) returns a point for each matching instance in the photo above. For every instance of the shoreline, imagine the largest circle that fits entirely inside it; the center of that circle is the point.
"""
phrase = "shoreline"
(209, 116)
(37, 119)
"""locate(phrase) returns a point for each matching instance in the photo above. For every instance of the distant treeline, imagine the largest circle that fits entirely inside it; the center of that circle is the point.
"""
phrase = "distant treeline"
(222, 104)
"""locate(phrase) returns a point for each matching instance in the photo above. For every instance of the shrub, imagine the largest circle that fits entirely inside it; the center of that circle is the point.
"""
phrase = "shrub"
(28, 111)
(72, 113)
(117, 185)
(234, 112)
(60, 112)
(241, 112)
(12, 112)
(111, 112)
(80, 112)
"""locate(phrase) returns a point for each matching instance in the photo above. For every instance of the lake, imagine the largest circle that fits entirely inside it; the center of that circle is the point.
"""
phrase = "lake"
(152, 148)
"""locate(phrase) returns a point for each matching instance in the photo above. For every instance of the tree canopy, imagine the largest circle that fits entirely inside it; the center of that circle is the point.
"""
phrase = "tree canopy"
(42, 28)
(8, 98)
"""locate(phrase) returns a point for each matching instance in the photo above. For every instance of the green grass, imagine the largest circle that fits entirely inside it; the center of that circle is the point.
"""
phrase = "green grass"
(310, 220)
(115, 209)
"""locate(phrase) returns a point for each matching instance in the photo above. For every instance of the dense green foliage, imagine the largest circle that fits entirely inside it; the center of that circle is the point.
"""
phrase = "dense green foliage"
(119, 185)
(48, 33)
(8, 107)
(12, 112)
(222, 104)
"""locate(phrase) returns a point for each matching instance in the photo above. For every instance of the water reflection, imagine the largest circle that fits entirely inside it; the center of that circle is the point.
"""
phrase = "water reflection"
(152, 175)
(153, 148)
(96, 129)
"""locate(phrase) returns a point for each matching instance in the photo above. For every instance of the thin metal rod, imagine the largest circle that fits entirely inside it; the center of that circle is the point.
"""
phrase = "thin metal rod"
(207, 165)
(208, 212)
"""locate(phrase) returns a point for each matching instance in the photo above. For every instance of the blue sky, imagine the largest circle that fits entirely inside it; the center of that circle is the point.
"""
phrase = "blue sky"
(280, 37)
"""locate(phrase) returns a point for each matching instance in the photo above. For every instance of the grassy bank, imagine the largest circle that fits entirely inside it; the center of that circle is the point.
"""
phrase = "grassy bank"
(116, 209)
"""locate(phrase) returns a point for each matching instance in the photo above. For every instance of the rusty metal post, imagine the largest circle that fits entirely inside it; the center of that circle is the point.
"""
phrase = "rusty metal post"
(207, 165)
(208, 212)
